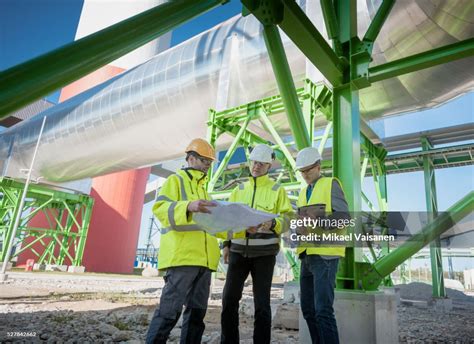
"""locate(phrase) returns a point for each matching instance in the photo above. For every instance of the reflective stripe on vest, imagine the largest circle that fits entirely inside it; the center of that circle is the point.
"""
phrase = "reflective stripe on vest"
(184, 196)
(163, 198)
(181, 228)
(256, 242)
(171, 214)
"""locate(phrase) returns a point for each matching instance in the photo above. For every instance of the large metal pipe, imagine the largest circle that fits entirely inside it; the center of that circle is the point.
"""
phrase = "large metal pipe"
(148, 114)
(387, 264)
(27, 82)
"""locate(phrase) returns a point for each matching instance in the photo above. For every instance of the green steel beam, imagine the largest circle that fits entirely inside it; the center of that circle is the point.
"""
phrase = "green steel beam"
(374, 151)
(330, 19)
(228, 155)
(29, 81)
(378, 21)
(294, 22)
(312, 44)
(278, 140)
(423, 60)
(459, 155)
(437, 277)
(286, 85)
(386, 265)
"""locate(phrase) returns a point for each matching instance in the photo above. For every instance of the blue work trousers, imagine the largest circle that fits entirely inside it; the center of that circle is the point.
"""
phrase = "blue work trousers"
(184, 285)
(317, 283)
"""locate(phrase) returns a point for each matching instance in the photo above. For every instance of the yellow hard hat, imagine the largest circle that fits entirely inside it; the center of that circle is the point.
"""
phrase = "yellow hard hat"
(202, 147)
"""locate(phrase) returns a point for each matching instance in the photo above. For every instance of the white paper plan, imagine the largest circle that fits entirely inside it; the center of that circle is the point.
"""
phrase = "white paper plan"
(229, 216)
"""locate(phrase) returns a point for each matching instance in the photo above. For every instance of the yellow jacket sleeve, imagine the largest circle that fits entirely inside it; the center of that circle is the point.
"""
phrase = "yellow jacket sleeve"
(284, 210)
(170, 210)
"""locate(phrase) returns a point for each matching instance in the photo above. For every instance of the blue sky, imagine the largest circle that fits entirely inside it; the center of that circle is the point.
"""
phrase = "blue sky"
(25, 34)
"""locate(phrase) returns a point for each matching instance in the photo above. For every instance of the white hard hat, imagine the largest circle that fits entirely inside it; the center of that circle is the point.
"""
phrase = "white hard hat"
(306, 157)
(262, 153)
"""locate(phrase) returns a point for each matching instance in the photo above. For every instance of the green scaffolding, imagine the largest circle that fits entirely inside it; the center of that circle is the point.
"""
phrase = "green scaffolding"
(67, 215)
(241, 122)
(246, 123)
(346, 65)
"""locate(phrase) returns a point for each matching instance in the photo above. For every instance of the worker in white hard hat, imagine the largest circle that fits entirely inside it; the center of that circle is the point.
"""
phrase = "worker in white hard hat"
(188, 254)
(254, 251)
(319, 264)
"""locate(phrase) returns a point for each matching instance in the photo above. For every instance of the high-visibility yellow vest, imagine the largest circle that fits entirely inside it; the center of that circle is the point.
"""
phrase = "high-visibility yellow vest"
(321, 194)
(264, 194)
(182, 242)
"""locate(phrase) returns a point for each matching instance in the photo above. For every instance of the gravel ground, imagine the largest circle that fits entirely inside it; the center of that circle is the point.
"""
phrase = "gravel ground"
(422, 324)
(60, 308)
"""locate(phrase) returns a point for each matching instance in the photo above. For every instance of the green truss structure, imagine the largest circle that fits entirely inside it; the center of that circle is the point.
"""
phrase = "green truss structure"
(345, 63)
(67, 214)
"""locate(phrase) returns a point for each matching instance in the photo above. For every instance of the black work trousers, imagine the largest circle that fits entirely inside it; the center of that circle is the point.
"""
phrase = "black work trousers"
(261, 270)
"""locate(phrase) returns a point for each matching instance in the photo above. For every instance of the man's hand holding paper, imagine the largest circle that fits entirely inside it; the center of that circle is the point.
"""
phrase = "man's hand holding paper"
(228, 216)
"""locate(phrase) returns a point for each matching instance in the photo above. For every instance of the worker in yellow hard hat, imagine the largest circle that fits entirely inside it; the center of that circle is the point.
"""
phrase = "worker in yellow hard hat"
(187, 253)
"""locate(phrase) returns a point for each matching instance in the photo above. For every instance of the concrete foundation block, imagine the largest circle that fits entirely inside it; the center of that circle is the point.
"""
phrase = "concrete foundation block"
(362, 318)
(39, 267)
(76, 269)
(394, 291)
(441, 304)
(286, 316)
(150, 272)
(291, 292)
(54, 267)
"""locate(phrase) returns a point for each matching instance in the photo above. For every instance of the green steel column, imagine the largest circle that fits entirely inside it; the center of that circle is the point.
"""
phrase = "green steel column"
(346, 144)
(211, 138)
(309, 109)
(286, 85)
(437, 277)
(24, 83)
(346, 117)
(86, 218)
(15, 202)
(63, 231)
(346, 137)
(379, 178)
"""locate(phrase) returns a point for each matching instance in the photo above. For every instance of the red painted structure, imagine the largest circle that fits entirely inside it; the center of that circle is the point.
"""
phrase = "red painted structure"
(115, 223)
